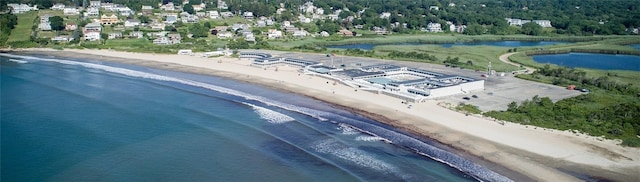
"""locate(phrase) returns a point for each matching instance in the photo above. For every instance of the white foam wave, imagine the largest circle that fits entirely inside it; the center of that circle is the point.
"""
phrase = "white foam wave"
(356, 156)
(347, 129)
(18, 61)
(270, 115)
(370, 138)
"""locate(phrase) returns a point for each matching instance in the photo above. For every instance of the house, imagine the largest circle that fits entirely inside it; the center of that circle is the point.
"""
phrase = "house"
(214, 14)
(224, 35)
(94, 4)
(168, 7)
(157, 34)
(92, 36)
(21, 8)
(434, 8)
(108, 20)
(58, 6)
(434, 27)
(172, 18)
(199, 7)
(304, 19)
(92, 27)
(136, 35)
(345, 32)
(45, 26)
(147, 10)
(70, 27)
(274, 34)
(222, 4)
(174, 38)
(130, 23)
(226, 14)
(249, 37)
(201, 14)
(108, 6)
(385, 15)
(92, 12)
(300, 33)
(188, 18)
(261, 23)
(157, 26)
(238, 26)
(543, 23)
(62, 38)
(380, 30)
(221, 28)
(71, 11)
(247, 15)
(324, 34)
(115, 35)
(333, 17)
(125, 11)
(161, 41)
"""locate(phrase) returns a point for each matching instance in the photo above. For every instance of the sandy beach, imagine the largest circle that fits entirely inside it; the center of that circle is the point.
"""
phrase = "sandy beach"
(538, 154)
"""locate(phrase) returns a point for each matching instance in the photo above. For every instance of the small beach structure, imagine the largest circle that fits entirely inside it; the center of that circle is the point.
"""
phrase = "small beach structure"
(185, 52)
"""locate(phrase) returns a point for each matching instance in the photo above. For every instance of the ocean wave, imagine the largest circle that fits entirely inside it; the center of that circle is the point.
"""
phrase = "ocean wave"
(455, 161)
(369, 138)
(356, 156)
(347, 129)
(270, 115)
(18, 61)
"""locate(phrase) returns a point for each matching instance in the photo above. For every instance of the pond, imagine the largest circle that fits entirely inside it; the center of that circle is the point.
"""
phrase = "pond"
(447, 45)
(591, 60)
(637, 46)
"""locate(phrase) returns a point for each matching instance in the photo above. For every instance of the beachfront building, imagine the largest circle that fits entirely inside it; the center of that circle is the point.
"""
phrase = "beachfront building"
(108, 20)
(410, 84)
(21, 8)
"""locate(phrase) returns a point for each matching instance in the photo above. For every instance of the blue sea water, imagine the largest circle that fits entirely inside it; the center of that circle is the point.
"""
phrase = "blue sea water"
(86, 120)
(448, 45)
(591, 60)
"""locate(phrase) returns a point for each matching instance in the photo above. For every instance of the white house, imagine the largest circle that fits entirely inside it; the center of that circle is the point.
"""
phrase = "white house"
(543, 23)
(171, 19)
(92, 12)
(92, 36)
(125, 11)
(71, 11)
(45, 26)
(226, 14)
(130, 23)
(161, 41)
(249, 37)
(247, 15)
(168, 7)
(95, 4)
(115, 35)
(62, 38)
(225, 35)
(300, 33)
(385, 15)
(58, 6)
(21, 8)
(214, 14)
(92, 27)
(304, 19)
(324, 34)
(434, 27)
(222, 4)
(274, 34)
(199, 7)
(136, 34)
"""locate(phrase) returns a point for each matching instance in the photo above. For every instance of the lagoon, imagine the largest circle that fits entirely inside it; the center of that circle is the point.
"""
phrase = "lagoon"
(448, 45)
(591, 60)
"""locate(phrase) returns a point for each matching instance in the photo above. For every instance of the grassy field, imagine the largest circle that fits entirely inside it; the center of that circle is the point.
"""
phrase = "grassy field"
(22, 31)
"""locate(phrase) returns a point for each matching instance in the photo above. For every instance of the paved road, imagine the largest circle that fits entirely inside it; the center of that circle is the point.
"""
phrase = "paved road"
(505, 58)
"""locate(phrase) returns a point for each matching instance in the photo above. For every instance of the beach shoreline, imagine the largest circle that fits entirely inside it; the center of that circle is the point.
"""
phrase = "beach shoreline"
(551, 155)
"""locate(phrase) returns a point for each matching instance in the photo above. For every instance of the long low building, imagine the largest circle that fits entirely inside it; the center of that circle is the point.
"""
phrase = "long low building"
(411, 84)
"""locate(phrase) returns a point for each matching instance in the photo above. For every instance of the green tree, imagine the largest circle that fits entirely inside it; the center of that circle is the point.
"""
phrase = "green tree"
(144, 19)
(188, 8)
(198, 30)
(104, 37)
(531, 29)
(474, 29)
(207, 25)
(57, 23)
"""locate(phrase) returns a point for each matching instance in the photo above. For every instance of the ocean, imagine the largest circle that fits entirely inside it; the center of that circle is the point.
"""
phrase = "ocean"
(89, 120)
